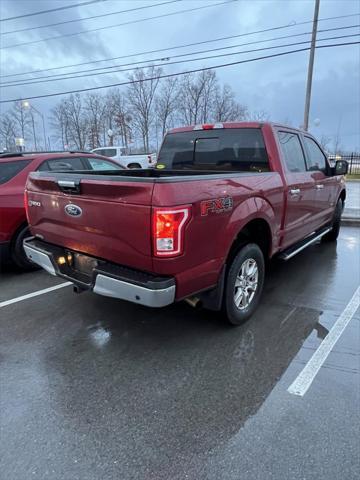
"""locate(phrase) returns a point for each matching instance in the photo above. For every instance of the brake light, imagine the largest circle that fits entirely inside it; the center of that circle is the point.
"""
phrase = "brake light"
(168, 230)
(208, 126)
(26, 205)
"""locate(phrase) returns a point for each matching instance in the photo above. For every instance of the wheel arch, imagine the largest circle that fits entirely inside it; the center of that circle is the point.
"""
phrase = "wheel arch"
(256, 231)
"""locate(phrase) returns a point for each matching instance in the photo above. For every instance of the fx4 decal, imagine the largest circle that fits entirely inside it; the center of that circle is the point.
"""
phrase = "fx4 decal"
(216, 205)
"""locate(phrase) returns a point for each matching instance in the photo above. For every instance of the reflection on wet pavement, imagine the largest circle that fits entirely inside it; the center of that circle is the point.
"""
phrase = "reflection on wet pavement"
(96, 388)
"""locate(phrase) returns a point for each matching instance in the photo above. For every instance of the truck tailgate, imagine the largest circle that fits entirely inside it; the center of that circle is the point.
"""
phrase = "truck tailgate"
(106, 219)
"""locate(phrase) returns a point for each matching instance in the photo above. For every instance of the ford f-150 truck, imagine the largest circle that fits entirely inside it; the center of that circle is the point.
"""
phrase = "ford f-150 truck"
(223, 199)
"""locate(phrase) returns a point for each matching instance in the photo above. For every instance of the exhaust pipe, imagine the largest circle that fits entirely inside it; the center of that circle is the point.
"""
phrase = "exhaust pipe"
(193, 301)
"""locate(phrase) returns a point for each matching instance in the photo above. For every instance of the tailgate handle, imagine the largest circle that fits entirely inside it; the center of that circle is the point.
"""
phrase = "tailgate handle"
(69, 186)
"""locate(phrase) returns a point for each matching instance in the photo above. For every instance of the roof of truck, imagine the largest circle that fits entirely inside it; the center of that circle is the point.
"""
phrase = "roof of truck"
(218, 125)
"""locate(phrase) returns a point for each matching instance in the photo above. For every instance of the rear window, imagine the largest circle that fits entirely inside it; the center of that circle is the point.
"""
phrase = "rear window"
(240, 150)
(107, 152)
(8, 170)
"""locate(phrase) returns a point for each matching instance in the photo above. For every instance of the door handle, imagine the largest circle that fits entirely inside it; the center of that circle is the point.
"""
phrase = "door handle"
(295, 191)
(319, 187)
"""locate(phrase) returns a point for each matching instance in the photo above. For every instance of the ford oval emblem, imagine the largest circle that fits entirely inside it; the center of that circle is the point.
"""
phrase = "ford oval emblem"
(73, 210)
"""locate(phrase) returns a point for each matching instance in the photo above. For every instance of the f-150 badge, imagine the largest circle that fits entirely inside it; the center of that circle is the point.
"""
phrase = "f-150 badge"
(216, 205)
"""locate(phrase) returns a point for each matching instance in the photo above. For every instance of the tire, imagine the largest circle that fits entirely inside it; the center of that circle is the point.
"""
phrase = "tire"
(334, 232)
(238, 308)
(134, 165)
(18, 254)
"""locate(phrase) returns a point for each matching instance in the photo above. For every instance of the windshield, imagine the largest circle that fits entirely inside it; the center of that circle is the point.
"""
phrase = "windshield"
(241, 150)
(8, 170)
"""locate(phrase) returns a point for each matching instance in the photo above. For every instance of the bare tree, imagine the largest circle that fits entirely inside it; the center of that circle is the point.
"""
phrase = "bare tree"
(60, 122)
(191, 97)
(166, 103)
(7, 132)
(95, 115)
(22, 120)
(209, 82)
(259, 116)
(202, 99)
(226, 108)
(118, 116)
(77, 123)
(141, 94)
(146, 103)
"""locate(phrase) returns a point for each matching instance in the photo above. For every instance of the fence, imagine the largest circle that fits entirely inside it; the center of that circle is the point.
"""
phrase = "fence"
(353, 160)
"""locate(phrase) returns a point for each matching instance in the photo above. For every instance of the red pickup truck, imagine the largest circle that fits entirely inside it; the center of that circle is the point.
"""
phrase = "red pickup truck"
(224, 199)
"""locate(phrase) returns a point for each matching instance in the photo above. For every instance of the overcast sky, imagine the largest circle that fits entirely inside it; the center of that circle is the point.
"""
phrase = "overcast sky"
(276, 85)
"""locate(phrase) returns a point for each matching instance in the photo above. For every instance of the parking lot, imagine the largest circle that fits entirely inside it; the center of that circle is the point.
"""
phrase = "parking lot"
(95, 388)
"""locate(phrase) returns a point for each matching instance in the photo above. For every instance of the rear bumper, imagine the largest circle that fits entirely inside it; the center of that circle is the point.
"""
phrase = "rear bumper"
(102, 277)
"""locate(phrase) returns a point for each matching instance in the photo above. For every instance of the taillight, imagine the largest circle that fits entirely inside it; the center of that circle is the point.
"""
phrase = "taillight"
(26, 205)
(209, 126)
(168, 230)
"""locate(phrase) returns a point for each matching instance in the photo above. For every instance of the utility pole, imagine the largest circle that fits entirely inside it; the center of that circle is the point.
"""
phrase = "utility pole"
(311, 66)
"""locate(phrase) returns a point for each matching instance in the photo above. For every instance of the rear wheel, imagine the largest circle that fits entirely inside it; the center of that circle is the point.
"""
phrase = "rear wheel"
(244, 284)
(18, 254)
(334, 232)
(134, 165)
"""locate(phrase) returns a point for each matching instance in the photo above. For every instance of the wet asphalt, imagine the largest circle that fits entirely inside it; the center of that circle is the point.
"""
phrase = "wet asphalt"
(95, 388)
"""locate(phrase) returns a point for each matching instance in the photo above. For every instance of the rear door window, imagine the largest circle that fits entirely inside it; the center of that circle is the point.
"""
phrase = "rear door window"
(292, 152)
(63, 164)
(240, 150)
(101, 164)
(8, 170)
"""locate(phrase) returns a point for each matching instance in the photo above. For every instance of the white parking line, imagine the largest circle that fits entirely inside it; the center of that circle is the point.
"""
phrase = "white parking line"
(303, 381)
(34, 294)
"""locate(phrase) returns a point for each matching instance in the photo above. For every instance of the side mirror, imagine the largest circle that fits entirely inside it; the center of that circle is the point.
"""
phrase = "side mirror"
(341, 167)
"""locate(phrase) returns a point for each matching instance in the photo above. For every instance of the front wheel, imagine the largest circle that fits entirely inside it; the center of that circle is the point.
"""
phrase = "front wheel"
(335, 230)
(134, 165)
(244, 284)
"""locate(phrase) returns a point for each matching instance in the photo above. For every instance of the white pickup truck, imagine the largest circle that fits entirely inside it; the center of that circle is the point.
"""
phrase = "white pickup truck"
(119, 155)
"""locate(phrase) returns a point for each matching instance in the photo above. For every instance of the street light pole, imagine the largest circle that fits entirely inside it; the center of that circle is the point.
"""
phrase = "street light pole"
(27, 104)
(311, 66)
(43, 124)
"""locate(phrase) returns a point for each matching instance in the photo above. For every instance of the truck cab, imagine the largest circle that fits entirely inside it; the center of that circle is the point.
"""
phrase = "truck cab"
(122, 155)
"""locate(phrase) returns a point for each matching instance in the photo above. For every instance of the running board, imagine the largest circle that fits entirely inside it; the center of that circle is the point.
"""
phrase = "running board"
(295, 249)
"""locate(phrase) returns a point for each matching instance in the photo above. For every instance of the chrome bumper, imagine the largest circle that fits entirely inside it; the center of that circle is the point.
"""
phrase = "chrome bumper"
(111, 287)
(40, 258)
(154, 292)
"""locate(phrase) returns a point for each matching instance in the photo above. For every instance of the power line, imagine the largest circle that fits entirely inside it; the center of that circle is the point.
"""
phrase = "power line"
(31, 82)
(279, 27)
(65, 76)
(89, 18)
(213, 67)
(52, 10)
(130, 22)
